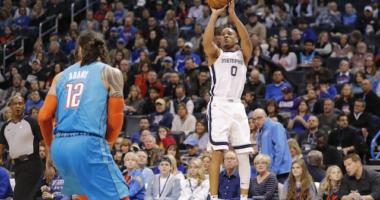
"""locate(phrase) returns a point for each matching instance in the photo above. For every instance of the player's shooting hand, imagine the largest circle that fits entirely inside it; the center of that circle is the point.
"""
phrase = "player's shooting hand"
(219, 11)
(231, 8)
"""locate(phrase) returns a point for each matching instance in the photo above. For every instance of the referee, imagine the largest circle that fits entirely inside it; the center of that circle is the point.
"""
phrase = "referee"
(21, 136)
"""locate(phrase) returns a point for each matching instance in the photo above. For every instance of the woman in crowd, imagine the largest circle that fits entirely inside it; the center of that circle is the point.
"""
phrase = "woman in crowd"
(295, 149)
(298, 123)
(256, 61)
(342, 49)
(272, 111)
(196, 185)
(58, 67)
(183, 121)
(206, 159)
(134, 102)
(264, 185)
(125, 147)
(175, 170)
(285, 58)
(345, 101)
(356, 85)
(133, 177)
(173, 150)
(329, 188)
(164, 139)
(371, 70)
(119, 55)
(300, 185)
(201, 134)
(163, 185)
(323, 46)
(141, 77)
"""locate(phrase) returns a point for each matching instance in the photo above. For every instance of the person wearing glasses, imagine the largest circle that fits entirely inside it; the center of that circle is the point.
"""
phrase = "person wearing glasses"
(271, 140)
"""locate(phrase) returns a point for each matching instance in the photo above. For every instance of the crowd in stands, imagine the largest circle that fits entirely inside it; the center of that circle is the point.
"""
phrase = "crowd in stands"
(314, 70)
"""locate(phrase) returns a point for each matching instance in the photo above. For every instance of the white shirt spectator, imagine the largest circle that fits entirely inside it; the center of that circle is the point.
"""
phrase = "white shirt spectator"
(191, 190)
(289, 62)
(186, 125)
(195, 11)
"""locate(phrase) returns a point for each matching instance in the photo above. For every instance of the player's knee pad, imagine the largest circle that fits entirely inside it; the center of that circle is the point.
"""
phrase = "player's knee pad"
(244, 170)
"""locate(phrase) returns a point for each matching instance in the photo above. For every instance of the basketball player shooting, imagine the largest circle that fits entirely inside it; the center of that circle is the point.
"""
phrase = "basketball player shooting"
(228, 122)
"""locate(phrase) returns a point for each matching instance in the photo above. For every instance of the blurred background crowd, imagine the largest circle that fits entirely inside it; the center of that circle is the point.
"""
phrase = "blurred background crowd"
(314, 69)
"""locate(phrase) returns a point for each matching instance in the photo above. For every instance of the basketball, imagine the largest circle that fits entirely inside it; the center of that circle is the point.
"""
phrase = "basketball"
(217, 4)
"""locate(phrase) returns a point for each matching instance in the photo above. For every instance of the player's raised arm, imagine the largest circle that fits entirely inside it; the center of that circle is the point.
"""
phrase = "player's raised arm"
(113, 80)
(209, 46)
(245, 42)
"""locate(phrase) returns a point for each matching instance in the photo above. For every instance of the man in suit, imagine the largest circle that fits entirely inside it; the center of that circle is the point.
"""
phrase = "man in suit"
(362, 120)
(164, 185)
(345, 137)
(371, 99)
(331, 156)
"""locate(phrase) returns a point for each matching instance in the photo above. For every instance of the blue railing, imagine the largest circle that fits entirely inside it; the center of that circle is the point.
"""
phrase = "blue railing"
(375, 153)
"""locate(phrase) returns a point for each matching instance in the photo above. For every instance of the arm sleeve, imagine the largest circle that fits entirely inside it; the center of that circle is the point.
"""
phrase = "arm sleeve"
(115, 118)
(149, 190)
(293, 61)
(375, 186)
(3, 140)
(344, 189)
(203, 192)
(176, 190)
(176, 124)
(35, 128)
(46, 117)
(278, 141)
(185, 192)
(135, 186)
(190, 106)
(270, 187)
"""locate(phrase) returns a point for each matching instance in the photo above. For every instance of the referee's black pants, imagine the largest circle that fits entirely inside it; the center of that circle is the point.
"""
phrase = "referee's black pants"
(28, 178)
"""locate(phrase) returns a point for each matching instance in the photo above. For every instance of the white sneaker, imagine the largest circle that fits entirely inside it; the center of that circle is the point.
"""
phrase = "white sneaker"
(243, 198)
(214, 198)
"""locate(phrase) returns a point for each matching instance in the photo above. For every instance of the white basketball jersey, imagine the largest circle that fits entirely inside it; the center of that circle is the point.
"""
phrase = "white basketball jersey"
(228, 75)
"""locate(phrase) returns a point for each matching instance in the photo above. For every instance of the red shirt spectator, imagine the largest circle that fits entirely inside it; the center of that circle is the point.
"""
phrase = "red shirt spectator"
(101, 13)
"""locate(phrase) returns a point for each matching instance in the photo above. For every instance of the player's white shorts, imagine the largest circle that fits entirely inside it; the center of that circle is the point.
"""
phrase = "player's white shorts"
(228, 125)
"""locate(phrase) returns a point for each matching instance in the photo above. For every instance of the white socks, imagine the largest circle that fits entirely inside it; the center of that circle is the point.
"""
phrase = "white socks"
(244, 170)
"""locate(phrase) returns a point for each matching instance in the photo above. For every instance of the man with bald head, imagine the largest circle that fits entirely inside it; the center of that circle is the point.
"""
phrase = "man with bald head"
(271, 140)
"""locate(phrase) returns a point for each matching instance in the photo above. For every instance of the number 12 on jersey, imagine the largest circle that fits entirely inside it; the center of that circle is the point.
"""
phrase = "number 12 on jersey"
(74, 91)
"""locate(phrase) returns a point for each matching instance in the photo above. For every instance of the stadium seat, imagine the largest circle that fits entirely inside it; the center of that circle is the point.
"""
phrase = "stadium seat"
(297, 79)
(132, 124)
(333, 64)
(179, 137)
